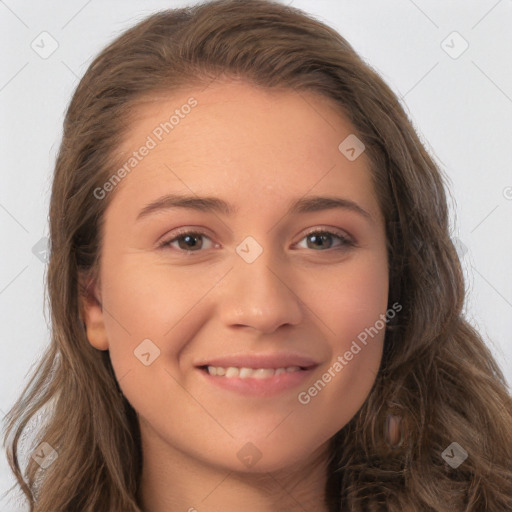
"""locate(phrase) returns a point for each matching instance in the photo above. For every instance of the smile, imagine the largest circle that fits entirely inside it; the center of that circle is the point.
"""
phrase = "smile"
(256, 382)
(247, 373)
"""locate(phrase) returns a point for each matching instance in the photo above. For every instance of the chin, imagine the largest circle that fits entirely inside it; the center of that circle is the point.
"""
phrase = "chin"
(264, 456)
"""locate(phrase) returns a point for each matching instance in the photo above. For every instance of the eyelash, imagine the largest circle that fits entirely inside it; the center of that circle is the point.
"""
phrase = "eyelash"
(346, 242)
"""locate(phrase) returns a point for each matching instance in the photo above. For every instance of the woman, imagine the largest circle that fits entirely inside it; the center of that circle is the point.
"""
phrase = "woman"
(255, 300)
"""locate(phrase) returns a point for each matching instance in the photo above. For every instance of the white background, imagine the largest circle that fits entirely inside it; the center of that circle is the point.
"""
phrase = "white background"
(461, 107)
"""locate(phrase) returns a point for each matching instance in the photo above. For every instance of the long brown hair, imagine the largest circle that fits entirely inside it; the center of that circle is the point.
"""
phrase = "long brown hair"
(436, 374)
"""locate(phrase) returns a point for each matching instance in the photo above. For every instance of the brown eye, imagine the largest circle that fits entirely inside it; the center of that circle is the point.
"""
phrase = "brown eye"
(190, 241)
(318, 240)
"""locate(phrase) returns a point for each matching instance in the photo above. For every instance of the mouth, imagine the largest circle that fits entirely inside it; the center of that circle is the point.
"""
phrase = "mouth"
(256, 382)
(231, 372)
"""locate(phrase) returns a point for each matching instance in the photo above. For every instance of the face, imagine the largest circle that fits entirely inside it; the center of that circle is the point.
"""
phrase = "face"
(262, 275)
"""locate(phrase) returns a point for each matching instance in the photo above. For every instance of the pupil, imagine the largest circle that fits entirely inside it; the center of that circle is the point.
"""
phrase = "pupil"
(190, 240)
(318, 239)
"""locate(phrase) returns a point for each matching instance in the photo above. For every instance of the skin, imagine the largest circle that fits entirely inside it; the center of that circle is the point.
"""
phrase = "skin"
(258, 150)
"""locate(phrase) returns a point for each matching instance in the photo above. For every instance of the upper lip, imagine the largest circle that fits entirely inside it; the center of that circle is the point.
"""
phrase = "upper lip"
(260, 361)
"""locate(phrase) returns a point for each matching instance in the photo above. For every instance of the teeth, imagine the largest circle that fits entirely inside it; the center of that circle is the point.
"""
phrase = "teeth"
(263, 373)
(230, 372)
(245, 373)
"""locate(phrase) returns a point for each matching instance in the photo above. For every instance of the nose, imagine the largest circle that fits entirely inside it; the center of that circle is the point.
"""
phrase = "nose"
(260, 295)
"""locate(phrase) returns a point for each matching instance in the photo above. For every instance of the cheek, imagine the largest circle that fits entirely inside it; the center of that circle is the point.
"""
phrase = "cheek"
(354, 310)
(149, 300)
(151, 313)
(151, 297)
(352, 298)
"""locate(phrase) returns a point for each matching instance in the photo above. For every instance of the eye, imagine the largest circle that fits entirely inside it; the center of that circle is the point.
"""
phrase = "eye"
(189, 241)
(323, 239)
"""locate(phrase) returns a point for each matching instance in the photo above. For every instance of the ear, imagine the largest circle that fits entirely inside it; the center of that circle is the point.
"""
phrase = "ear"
(91, 312)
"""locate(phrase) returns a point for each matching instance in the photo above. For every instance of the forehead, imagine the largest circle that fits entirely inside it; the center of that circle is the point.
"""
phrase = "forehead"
(233, 135)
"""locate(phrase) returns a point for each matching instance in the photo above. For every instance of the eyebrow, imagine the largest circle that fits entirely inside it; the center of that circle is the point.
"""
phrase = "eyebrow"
(308, 204)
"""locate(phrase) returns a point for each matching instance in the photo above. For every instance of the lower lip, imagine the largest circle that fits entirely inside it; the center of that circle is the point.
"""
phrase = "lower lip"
(260, 387)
